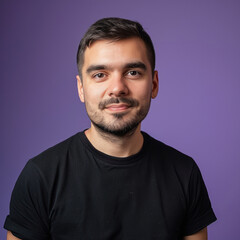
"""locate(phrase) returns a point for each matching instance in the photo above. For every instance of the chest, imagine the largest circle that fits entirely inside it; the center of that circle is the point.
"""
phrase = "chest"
(138, 202)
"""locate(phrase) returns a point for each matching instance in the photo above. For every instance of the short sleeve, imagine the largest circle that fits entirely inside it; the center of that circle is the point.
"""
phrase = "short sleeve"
(28, 218)
(200, 213)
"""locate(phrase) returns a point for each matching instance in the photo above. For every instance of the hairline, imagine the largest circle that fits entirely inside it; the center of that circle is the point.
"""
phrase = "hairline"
(82, 58)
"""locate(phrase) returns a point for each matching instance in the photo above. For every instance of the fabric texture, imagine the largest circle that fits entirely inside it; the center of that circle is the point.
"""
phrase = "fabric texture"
(73, 191)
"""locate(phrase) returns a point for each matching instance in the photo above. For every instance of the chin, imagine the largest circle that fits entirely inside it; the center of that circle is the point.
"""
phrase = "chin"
(120, 131)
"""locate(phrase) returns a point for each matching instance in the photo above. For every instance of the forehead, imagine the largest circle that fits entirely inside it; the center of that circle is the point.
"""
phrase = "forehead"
(116, 52)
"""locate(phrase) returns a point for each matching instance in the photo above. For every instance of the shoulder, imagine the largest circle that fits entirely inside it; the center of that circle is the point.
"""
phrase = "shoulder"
(55, 160)
(46, 170)
(57, 152)
(169, 157)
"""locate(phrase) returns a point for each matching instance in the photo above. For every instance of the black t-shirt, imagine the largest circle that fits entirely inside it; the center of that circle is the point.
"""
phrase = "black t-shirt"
(73, 191)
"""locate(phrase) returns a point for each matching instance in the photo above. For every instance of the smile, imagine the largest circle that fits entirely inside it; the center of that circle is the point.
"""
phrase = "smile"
(117, 107)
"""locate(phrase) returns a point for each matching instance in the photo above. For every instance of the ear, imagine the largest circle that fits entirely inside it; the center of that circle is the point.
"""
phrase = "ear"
(80, 88)
(155, 84)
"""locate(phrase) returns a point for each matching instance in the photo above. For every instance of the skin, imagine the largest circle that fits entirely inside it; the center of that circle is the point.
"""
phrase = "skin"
(201, 235)
(118, 70)
(114, 70)
(10, 236)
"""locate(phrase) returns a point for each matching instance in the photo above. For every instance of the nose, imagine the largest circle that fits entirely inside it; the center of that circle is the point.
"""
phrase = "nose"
(117, 86)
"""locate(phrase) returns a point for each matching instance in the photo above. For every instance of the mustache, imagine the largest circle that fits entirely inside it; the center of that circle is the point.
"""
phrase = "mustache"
(129, 101)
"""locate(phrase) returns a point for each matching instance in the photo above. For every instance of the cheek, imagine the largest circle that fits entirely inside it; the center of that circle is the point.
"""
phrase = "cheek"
(142, 91)
(93, 93)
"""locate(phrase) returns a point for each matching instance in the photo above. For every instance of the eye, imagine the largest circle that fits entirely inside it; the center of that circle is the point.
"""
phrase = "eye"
(133, 73)
(99, 75)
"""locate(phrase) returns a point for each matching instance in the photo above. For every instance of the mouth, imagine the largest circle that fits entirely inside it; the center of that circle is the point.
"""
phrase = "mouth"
(120, 107)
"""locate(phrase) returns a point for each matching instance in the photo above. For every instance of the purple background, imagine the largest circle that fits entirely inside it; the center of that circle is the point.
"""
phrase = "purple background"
(197, 111)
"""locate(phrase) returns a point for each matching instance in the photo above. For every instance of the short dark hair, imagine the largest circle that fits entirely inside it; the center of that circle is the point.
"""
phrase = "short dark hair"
(114, 29)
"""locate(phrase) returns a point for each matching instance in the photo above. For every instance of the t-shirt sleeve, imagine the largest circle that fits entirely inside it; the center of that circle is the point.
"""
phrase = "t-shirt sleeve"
(200, 213)
(28, 218)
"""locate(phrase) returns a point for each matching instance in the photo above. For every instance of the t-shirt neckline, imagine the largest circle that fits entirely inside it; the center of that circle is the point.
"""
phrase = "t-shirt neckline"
(111, 159)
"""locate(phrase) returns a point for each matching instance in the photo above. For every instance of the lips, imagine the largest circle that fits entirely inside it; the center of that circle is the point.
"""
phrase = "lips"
(117, 107)
(118, 103)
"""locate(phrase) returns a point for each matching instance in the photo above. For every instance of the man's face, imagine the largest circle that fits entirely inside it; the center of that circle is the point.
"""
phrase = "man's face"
(117, 84)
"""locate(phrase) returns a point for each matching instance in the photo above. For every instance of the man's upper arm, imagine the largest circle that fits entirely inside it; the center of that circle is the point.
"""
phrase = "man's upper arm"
(10, 236)
(201, 235)
(28, 212)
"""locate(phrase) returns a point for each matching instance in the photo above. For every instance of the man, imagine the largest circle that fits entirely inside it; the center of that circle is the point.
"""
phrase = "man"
(112, 181)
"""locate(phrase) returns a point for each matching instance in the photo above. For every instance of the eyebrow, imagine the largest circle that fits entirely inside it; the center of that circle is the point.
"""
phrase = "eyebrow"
(136, 65)
(92, 68)
(95, 67)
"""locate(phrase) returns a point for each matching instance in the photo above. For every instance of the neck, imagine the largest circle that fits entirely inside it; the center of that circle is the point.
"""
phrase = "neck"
(117, 146)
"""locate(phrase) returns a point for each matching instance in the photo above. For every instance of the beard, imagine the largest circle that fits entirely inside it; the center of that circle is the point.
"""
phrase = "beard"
(118, 126)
